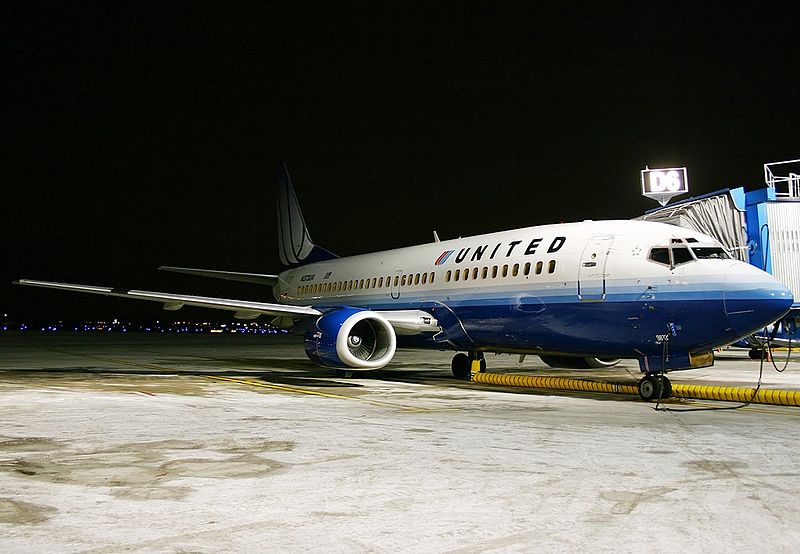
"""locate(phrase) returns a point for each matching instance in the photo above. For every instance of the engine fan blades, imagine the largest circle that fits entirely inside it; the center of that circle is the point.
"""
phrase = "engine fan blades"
(362, 340)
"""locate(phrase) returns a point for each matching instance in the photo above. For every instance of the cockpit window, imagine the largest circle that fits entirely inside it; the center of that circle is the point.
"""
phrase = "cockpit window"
(710, 252)
(660, 255)
(681, 255)
(672, 257)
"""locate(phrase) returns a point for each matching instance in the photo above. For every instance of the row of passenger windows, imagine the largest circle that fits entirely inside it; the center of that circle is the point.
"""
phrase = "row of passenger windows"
(498, 271)
(425, 278)
(374, 283)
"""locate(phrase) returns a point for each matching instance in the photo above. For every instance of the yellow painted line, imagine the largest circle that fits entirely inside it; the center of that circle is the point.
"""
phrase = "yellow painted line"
(317, 393)
(283, 388)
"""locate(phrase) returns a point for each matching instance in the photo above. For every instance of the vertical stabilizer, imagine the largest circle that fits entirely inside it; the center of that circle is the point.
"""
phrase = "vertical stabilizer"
(295, 246)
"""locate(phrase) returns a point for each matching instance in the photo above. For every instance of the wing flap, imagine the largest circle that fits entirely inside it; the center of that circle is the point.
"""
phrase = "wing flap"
(172, 301)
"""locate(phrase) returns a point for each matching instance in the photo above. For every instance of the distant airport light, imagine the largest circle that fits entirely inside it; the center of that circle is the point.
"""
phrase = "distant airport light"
(663, 184)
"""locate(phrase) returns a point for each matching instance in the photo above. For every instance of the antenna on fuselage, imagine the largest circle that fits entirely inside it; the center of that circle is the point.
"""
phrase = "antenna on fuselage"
(436, 237)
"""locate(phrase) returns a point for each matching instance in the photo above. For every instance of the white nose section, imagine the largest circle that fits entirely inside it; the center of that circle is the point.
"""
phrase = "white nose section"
(737, 281)
(753, 298)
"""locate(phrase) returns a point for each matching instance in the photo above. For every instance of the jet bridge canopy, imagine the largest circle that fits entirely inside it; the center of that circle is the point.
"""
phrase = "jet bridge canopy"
(718, 215)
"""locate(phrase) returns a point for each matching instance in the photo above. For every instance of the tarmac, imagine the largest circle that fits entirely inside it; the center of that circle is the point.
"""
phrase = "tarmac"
(206, 443)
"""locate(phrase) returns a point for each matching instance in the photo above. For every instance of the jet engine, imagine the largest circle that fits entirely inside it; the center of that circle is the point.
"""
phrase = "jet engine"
(351, 338)
(573, 362)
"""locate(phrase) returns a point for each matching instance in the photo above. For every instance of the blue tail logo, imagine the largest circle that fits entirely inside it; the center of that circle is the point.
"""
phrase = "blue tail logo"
(295, 246)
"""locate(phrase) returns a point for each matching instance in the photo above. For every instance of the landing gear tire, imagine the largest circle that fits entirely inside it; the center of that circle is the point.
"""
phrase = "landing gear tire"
(345, 373)
(667, 384)
(653, 387)
(460, 366)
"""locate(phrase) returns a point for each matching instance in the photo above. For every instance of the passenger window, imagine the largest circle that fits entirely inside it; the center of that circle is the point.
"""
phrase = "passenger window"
(494, 272)
(505, 271)
(457, 275)
(475, 273)
(424, 278)
(447, 276)
(660, 255)
(484, 272)
(551, 267)
(396, 280)
(466, 274)
(515, 270)
(380, 282)
(681, 255)
(361, 284)
(527, 269)
(539, 266)
(432, 276)
(416, 279)
(366, 284)
(403, 281)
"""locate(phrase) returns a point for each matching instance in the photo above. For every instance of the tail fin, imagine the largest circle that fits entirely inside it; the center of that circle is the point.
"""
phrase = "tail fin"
(295, 246)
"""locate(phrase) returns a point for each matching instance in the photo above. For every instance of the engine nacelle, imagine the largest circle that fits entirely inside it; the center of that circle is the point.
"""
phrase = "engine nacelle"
(353, 338)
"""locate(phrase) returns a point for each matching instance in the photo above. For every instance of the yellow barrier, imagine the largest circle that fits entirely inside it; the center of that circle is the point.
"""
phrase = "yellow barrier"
(738, 394)
(699, 392)
(557, 383)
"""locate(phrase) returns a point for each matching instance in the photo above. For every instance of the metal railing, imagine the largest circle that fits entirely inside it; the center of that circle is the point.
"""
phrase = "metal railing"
(784, 178)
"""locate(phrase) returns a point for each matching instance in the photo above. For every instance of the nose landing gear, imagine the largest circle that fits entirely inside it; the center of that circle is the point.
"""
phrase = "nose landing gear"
(654, 386)
(462, 364)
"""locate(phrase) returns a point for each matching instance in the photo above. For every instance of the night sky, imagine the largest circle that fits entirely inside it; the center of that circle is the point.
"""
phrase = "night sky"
(148, 134)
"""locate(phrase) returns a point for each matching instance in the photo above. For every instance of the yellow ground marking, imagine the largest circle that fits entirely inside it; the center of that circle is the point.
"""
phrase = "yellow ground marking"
(283, 388)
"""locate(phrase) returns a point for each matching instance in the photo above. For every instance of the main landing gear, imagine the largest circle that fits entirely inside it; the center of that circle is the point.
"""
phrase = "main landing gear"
(462, 364)
(654, 386)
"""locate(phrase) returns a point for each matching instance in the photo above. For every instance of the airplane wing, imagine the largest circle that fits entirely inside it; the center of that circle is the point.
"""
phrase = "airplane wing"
(244, 309)
(257, 278)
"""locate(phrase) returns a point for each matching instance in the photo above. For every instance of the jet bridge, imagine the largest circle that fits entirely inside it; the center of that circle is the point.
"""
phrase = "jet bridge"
(761, 227)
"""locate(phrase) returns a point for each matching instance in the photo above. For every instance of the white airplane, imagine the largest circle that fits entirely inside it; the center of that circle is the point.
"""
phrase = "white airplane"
(576, 294)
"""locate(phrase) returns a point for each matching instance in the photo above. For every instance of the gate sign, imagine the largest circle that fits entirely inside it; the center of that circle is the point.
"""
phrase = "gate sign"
(663, 184)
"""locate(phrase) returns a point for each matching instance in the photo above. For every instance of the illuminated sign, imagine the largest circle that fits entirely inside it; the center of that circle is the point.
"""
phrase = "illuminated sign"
(663, 184)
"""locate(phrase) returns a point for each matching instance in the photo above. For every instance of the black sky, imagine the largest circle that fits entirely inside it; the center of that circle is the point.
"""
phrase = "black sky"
(146, 134)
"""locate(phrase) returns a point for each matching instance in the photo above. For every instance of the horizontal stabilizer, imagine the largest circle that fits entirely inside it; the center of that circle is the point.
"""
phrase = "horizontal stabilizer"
(257, 278)
(243, 308)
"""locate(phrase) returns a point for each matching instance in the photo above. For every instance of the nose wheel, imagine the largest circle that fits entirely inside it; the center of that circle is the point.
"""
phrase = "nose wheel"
(654, 387)
(462, 364)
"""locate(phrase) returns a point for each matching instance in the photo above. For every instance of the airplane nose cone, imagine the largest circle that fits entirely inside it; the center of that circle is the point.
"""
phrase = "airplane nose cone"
(753, 298)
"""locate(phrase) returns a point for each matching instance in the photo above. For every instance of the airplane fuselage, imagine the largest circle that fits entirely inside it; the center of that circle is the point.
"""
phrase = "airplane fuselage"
(594, 288)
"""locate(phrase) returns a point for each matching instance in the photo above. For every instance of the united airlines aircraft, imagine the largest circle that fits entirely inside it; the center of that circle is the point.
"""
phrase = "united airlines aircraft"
(576, 294)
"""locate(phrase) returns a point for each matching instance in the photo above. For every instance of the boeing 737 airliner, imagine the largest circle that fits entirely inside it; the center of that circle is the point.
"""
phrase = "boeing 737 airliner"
(576, 294)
